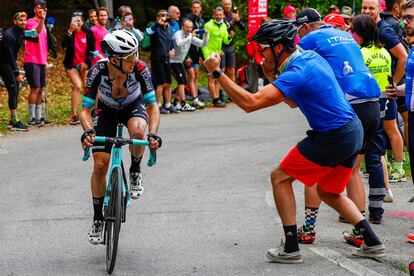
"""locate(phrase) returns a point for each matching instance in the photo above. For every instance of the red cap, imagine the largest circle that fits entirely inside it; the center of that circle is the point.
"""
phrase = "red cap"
(334, 20)
(289, 9)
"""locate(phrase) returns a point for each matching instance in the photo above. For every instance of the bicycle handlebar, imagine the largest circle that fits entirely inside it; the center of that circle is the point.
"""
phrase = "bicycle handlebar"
(121, 142)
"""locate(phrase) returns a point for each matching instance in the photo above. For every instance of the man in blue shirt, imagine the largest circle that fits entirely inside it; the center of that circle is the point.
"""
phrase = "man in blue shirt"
(326, 156)
(342, 52)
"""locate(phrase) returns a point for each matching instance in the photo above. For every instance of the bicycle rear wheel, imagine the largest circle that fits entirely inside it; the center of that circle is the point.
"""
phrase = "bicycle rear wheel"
(113, 219)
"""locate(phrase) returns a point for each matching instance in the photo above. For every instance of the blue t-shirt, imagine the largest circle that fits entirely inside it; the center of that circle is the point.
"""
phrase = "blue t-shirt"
(341, 51)
(409, 81)
(310, 82)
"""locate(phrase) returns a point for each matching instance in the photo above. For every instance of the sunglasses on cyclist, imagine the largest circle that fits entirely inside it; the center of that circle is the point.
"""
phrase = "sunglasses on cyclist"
(130, 57)
(262, 47)
(409, 18)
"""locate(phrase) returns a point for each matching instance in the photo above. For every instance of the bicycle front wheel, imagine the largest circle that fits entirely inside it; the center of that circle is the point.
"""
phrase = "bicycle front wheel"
(113, 219)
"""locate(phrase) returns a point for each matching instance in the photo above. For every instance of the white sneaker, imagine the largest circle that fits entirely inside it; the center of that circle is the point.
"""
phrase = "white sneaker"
(278, 255)
(198, 104)
(388, 196)
(178, 106)
(187, 107)
(135, 188)
(95, 234)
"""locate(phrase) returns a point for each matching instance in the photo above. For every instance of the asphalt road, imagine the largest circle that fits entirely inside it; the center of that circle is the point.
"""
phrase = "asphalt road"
(207, 207)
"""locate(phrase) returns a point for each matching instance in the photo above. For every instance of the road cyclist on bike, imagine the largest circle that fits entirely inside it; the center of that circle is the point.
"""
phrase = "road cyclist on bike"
(123, 86)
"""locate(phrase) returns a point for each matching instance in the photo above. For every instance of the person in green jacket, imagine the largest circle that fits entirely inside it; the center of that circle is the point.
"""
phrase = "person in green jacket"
(218, 33)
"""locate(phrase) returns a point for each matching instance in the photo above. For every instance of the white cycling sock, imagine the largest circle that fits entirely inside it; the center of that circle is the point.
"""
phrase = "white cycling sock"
(38, 111)
(31, 111)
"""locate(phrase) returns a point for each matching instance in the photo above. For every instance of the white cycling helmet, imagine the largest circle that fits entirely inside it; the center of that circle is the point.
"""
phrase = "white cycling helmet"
(119, 43)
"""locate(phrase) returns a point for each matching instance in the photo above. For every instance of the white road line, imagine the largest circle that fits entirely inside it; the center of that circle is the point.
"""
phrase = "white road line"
(271, 203)
(343, 262)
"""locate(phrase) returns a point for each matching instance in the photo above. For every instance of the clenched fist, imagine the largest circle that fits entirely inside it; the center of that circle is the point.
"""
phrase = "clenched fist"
(212, 62)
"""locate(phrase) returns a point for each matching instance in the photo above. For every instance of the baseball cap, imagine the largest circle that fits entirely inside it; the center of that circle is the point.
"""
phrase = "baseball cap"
(346, 12)
(335, 20)
(289, 9)
(308, 15)
(40, 3)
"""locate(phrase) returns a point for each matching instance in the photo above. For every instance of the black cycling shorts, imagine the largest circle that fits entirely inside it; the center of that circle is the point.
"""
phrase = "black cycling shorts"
(35, 74)
(160, 72)
(391, 110)
(178, 71)
(109, 118)
(195, 53)
(228, 60)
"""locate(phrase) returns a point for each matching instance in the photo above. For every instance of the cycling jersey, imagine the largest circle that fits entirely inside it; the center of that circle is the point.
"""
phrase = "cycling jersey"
(138, 83)
(309, 81)
(409, 81)
(343, 54)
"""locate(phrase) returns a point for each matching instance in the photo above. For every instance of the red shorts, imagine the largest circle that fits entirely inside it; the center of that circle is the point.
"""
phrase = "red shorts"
(330, 179)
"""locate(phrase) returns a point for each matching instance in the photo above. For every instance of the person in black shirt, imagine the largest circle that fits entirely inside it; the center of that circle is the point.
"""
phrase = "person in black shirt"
(9, 71)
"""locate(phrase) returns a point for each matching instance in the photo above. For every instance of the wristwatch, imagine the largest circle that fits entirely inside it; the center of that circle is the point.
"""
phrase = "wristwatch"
(216, 73)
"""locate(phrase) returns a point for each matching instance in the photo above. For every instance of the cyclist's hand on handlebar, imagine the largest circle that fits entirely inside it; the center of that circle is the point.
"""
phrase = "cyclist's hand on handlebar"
(87, 138)
(155, 141)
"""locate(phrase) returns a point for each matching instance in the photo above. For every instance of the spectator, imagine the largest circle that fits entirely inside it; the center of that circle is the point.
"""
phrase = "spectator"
(392, 15)
(99, 31)
(123, 10)
(392, 43)
(9, 71)
(92, 18)
(336, 21)
(35, 61)
(193, 62)
(126, 21)
(347, 14)
(160, 60)
(333, 9)
(79, 43)
(218, 35)
(182, 40)
(289, 12)
(174, 19)
(228, 60)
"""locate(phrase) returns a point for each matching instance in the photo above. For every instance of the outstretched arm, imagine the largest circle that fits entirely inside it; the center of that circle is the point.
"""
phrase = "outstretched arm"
(265, 97)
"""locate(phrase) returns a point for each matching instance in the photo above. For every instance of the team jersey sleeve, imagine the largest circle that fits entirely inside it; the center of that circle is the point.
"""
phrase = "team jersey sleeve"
(91, 87)
(144, 77)
(308, 42)
(289, 83)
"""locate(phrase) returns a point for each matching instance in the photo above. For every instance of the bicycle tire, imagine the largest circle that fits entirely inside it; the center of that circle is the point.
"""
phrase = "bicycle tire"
(113, 219)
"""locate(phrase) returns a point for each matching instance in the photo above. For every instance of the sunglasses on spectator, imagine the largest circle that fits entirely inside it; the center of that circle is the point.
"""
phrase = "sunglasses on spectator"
(129, 58)
(409, 18)
(263, 47)
(77, 14)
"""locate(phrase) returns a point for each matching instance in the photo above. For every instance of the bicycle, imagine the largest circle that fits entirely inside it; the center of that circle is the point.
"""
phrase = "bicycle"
(117, 197)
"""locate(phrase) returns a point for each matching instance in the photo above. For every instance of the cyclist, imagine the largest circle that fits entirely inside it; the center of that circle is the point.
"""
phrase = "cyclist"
(327, 155)
(9, 71)
(125, 95)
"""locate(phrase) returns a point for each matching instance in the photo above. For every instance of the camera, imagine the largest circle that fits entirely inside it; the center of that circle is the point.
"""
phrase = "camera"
(235, 10)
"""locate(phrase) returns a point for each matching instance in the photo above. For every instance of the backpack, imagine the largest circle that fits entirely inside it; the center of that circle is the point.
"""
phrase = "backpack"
(146, 41)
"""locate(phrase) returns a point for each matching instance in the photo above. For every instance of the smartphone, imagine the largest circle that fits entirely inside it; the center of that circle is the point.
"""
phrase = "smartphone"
(75, 20)
(391, 81)
(201, 31)
(30, 33)
(127, 18)
(235, 10)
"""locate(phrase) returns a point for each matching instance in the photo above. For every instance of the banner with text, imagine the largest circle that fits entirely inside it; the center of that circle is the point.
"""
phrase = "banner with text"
(257, 10)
